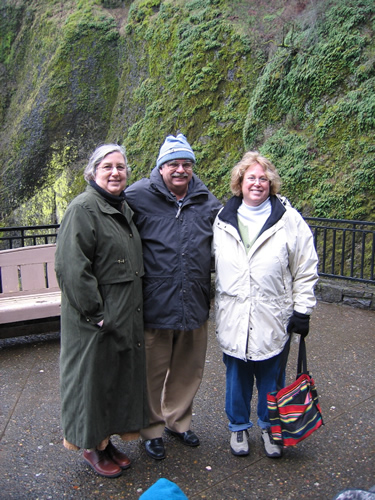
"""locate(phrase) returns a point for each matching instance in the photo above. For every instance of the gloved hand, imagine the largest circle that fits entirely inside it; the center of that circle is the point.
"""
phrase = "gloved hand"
(299, 323)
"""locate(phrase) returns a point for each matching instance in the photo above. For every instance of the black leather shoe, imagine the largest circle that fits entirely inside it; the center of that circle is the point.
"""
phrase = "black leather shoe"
(187, 437)
(155, 448)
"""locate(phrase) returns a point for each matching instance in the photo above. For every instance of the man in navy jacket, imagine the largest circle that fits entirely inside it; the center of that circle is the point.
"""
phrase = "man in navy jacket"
(174, 214)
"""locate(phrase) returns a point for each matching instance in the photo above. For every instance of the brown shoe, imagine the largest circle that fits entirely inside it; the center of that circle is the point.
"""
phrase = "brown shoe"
(101, 463)
(117, 456)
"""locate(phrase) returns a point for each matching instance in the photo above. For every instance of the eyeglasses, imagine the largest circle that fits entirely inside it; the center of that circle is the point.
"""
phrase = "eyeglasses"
(261, 180)
(186, 165)
(110, 168)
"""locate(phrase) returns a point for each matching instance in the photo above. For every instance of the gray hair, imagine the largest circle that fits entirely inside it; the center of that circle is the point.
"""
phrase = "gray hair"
(247, 161)
(98, 155)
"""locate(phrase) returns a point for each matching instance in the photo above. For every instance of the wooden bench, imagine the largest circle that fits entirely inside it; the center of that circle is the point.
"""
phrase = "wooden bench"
(29, 294)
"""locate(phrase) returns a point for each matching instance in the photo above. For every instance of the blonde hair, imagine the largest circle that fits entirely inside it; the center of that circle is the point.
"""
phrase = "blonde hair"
(248, 160)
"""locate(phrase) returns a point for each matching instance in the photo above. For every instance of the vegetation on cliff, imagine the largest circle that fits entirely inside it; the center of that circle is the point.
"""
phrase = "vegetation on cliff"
(293, 79)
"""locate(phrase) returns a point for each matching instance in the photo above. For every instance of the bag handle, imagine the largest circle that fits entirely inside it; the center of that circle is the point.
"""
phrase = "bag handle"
(301, 364)
(283, 362)
(302, 358)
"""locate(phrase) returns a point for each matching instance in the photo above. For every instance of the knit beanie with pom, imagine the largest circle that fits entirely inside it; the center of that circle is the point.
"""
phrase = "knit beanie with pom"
(175, 148)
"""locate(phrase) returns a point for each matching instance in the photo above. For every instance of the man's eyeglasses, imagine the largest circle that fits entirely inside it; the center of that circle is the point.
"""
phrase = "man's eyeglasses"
(186, 165)
(110, 168)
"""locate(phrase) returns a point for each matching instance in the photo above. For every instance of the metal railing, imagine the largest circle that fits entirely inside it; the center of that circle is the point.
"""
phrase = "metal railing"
(23, 236)
(346, 248)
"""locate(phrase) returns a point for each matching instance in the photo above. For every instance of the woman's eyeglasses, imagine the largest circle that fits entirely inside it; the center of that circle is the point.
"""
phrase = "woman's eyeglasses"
(110, 168)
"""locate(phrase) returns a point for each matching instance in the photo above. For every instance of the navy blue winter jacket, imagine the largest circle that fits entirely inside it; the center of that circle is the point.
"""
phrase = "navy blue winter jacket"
(176, 251)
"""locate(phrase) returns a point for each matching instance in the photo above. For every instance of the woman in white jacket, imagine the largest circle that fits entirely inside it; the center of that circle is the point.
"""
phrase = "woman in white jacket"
(266, 269)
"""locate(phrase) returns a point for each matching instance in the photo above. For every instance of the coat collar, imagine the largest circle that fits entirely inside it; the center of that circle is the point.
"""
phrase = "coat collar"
(107, 208)
(229, 212)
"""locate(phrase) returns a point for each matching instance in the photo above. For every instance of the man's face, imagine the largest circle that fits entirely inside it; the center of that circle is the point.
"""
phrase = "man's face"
(177, 174)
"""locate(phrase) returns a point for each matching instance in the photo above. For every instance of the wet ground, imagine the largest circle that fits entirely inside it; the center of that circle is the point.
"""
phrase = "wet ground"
(340, 455)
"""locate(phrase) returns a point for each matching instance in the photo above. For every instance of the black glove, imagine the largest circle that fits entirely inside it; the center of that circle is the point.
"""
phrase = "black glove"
(299, 323)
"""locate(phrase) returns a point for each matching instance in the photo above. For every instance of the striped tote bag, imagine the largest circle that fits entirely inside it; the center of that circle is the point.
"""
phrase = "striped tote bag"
(294, 411)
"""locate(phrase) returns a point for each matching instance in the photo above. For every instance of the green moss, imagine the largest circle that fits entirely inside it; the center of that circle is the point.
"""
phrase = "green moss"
(198, 79)
(313, 111)
(66, 86)
(297, 84)
(10, 23)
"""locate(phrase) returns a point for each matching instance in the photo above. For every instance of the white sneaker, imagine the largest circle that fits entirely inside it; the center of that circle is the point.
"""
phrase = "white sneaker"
(239, 444)
(272, 450)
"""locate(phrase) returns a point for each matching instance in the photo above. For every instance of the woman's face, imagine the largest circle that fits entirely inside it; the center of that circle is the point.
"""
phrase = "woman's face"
(111, 173)
(255, 185)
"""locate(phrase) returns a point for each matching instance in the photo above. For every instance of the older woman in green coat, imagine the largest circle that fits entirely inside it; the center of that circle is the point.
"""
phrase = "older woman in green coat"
(99, 269)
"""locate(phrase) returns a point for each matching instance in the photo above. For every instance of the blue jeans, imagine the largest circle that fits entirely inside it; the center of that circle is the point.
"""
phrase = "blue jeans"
(239, 389)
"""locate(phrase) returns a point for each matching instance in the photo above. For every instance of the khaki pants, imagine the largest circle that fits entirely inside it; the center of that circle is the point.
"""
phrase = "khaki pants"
(175, 363)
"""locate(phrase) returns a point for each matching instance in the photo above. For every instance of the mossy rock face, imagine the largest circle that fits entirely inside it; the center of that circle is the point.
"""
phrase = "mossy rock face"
(313, 113)
(294, 81)
(63, 98)
(200, 72)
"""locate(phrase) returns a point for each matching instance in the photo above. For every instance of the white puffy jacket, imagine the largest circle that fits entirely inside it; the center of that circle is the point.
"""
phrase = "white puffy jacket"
(256, 293)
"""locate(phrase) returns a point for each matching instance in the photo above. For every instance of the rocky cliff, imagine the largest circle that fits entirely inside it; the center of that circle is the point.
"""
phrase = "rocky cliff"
(293, 79)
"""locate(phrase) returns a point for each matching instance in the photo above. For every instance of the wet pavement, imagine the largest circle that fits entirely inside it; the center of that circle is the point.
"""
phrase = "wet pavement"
(340, 455)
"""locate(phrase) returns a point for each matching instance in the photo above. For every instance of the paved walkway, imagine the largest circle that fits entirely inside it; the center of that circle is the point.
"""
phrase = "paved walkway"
(341, 352)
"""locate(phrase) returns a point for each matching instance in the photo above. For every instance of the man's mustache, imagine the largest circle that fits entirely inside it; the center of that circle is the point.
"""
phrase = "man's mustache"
(179, 175)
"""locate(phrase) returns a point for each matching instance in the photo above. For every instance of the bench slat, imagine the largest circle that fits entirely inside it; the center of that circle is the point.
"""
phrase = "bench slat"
(27, 255)
(32, 276)
(9, 279)
(30, 307)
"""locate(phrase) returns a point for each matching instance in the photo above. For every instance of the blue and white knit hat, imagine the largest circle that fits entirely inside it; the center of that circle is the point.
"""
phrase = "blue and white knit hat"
(175, 148)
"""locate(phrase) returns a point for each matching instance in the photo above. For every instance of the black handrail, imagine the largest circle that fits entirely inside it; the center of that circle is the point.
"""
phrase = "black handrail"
(346, 248)
(22, 236)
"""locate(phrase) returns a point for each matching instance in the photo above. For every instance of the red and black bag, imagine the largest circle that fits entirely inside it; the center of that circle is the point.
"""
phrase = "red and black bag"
(294, 411)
